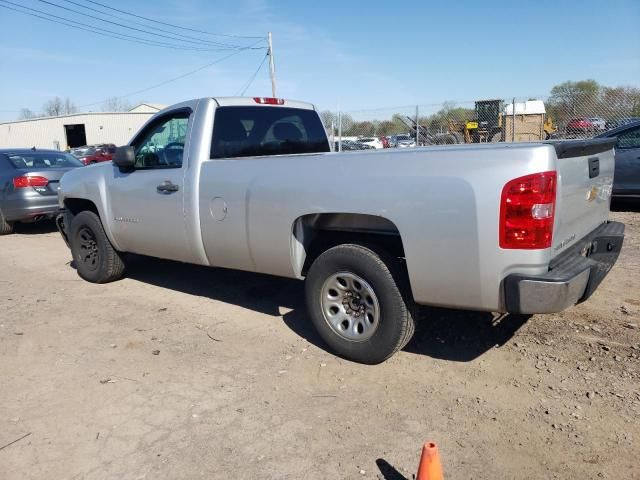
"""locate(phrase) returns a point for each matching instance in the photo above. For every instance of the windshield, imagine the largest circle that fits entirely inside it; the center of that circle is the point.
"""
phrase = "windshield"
(43, 161)
(403, 137)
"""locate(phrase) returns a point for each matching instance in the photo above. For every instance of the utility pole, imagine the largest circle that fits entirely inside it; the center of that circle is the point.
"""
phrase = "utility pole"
(417, 126)
(272, 67)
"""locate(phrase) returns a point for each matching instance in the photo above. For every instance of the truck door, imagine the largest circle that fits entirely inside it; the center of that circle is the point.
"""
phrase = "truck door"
(147, 203)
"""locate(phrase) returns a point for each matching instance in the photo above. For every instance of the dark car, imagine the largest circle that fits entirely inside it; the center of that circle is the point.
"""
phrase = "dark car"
(95, 153)
(620, 122)
(351, 145)
(626, 180)
(29, 184)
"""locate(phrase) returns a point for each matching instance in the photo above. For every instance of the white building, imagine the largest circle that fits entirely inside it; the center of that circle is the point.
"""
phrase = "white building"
(77, 129)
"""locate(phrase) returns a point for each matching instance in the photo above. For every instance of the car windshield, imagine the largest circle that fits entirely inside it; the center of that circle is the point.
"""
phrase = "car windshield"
(42, 160)
(89, 151)
(403, 137)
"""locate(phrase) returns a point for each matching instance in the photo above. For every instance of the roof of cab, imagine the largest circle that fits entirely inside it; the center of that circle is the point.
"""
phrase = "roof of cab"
(250, 101)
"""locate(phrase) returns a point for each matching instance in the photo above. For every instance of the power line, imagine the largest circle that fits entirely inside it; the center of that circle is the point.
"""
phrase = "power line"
(134, 22)
(103, 32)
(210, 64)
(165, 82)
(148, 32)
(170, 24)
(248, 83)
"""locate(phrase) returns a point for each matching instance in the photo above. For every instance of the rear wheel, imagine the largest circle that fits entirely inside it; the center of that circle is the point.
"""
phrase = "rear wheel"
(6, 227)
(95, 258)
(360, 303)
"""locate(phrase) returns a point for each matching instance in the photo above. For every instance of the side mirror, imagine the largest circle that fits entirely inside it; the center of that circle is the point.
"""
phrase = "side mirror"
(124, 158)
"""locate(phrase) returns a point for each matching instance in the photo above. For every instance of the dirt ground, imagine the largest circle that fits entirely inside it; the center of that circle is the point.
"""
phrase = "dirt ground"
(181, 372)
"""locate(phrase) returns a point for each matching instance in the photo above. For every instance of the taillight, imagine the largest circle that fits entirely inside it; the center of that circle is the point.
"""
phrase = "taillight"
(527, 210)
(27, 181)
(268, 100)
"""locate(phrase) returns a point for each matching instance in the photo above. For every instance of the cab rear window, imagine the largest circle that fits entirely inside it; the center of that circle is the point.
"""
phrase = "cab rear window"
(256, 131)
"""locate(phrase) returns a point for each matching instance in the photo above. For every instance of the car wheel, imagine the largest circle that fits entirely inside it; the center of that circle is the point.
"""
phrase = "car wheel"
(360, 303)
(95, 258)
(6, 227)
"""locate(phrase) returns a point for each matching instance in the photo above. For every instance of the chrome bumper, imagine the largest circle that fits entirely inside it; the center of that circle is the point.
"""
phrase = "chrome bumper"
(572, 277)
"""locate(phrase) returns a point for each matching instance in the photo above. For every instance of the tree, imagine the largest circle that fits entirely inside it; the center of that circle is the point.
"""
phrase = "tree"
(328, 118)
(56, 107)
(365, 128)
(574, 99)
(26, 114)
(116, 104)
(620, 101)
(439, 121)
(53, 108)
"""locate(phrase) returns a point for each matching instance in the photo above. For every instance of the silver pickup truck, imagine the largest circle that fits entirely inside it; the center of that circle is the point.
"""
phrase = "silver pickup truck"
(251, 184)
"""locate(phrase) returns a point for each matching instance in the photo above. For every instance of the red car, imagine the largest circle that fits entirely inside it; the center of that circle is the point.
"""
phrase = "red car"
(95, 153)
(581, 126)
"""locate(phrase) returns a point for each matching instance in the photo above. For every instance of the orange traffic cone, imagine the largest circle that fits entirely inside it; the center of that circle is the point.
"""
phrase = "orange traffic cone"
(430, 468)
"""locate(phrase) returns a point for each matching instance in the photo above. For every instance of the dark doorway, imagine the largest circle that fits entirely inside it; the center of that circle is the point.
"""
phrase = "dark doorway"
(76, 136)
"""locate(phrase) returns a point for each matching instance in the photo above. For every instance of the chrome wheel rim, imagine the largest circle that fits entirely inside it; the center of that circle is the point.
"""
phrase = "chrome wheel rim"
(350, 306)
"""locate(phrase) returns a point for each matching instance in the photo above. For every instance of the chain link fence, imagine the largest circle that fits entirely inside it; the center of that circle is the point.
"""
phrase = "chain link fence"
(570, 114)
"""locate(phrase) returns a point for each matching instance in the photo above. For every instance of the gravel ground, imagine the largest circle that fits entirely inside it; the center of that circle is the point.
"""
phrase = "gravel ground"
(185, 372)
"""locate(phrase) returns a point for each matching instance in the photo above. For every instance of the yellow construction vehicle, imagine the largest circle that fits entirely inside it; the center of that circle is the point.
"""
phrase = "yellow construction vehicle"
(495, 123)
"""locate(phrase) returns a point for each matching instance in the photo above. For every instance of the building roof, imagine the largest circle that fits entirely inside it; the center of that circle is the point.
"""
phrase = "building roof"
(79, 114)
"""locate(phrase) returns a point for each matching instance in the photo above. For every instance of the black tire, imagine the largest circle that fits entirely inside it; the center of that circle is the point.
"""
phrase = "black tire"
(395, 325)
(95, 258)
(6, 228)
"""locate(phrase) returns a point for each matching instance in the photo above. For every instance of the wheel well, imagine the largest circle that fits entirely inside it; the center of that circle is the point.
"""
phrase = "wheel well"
(314, 234)
(77, 205)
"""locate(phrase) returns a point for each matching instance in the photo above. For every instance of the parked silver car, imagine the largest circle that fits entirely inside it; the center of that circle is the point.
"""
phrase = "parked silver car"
(29, 184)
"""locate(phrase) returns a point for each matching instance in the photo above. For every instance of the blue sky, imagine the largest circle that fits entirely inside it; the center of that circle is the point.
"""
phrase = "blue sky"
(358, 55)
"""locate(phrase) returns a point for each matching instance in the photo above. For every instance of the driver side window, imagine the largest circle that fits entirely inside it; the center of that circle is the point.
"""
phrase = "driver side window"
(161, 145)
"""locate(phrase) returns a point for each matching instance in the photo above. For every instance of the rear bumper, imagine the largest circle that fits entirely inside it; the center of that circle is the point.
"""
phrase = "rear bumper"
(30, 208)
(572, 277)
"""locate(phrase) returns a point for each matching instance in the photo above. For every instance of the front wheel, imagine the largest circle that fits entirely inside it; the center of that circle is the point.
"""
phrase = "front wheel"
(95, 258)
(359, 303)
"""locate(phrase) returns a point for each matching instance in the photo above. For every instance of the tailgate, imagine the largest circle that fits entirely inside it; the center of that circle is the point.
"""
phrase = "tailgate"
(585, 180)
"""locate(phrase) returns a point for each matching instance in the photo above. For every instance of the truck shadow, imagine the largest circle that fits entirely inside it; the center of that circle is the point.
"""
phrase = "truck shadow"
(455, 335)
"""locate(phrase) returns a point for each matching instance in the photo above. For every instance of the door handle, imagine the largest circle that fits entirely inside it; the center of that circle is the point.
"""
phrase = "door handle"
(167, 187)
